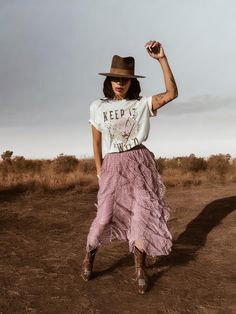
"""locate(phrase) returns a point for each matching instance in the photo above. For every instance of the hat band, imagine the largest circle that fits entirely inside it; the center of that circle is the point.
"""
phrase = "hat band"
(121, 71)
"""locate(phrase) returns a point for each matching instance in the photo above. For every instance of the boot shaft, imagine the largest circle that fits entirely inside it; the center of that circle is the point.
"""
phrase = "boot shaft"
(141, 277)
(139, 258)
(87, 265)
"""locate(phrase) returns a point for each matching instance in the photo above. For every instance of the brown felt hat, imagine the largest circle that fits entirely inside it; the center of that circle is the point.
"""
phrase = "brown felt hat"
(122, 67)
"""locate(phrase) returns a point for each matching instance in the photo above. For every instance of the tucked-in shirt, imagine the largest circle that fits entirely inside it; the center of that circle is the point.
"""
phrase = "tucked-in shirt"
(123, 123)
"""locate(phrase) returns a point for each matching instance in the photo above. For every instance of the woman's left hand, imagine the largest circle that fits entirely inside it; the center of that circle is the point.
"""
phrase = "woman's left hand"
(155, 49)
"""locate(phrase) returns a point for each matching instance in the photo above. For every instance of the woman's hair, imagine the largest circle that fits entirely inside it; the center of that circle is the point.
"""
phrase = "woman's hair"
(133, 92)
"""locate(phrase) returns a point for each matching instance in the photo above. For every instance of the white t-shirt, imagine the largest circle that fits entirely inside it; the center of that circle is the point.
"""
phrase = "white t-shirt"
(123, 123)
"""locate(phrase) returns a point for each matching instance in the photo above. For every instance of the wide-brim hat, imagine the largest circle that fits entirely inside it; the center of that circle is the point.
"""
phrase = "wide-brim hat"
(122, 67)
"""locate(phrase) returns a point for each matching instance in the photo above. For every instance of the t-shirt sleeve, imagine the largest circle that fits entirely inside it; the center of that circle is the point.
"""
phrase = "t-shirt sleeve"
(152, 113)
(94, 116)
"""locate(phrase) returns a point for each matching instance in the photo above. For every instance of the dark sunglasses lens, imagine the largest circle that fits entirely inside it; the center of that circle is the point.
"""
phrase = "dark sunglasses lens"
(120, 79)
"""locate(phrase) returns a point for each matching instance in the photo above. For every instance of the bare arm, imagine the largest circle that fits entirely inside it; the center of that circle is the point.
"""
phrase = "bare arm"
(97, 148)
(156, 51)
(171, 92)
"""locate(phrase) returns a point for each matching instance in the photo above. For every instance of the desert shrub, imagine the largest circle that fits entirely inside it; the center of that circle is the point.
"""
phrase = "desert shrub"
(161, 164)
(189, 163)
(233, 163)
(172, 163)
(64, 164)
(233, 170)
(6, 156)
(20, 164)
(219, 163)
(4, 168)
(193, 163)
(87, 165)
(178, 177)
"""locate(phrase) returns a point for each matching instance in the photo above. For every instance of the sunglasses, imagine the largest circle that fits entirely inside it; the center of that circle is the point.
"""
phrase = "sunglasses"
(120, 79)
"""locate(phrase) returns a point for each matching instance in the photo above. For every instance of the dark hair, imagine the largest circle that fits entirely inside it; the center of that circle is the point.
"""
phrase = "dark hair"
(133, 92)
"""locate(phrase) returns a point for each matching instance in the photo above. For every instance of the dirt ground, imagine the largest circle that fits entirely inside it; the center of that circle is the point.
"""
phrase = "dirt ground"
(42, 245)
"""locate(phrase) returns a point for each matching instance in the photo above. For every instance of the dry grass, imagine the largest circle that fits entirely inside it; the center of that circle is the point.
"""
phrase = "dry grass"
(68, 172)
(62, 173)
(177, 177)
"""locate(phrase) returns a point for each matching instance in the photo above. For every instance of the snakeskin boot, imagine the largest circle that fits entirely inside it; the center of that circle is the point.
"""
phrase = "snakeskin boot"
(87, 265)
(141, 276)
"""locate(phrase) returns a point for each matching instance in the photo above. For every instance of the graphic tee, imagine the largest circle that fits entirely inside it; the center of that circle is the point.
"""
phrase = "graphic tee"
(123, 123)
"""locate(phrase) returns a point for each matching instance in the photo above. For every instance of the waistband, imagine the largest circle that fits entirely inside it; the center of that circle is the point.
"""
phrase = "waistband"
(140, 146)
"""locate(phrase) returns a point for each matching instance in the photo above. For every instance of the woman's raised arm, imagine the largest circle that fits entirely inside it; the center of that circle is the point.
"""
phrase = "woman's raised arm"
(155, 50)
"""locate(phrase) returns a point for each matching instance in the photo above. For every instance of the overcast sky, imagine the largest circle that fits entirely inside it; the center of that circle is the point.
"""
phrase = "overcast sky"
(52, 50)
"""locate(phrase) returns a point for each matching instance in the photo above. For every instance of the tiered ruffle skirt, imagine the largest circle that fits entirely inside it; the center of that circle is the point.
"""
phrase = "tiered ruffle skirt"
(130, 203)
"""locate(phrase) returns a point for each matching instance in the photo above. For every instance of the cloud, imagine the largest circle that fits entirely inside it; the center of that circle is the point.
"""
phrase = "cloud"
(200, 104)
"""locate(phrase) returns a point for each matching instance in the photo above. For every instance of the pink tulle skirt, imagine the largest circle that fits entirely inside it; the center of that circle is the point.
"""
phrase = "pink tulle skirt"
(130, 203)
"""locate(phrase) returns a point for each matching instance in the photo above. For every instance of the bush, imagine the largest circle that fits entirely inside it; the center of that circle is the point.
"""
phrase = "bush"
(193, 163)
(20, 164)
(87, 165)
(219, 163)
(6, 156)
(190, 163)
(172, 163)
(161, 164)
(64, 164)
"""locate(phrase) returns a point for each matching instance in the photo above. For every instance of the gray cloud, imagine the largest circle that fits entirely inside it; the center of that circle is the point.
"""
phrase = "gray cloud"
(201, 104)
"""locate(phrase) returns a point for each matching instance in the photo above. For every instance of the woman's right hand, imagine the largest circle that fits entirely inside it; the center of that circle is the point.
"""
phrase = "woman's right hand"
(155, 49)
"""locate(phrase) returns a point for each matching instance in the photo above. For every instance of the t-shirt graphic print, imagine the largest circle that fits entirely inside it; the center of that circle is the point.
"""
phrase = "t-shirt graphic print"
(123, 123)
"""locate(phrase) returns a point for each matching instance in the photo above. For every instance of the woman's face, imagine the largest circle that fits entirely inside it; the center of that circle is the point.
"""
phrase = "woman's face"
(120, 86)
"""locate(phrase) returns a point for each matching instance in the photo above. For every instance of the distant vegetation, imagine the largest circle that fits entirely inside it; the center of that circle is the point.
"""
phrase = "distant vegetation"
(67, 172)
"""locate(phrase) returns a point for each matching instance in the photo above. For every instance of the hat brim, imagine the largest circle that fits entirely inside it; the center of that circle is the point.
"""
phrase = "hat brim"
(121, 75)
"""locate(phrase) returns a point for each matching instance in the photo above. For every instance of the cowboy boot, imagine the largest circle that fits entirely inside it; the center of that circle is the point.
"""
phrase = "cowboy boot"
(141, 276)
(87, 265)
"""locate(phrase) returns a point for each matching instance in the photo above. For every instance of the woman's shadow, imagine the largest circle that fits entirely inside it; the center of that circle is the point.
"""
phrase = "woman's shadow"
(186, 246)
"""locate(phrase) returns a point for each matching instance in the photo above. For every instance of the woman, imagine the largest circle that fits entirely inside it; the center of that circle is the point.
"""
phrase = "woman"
(130, 200)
